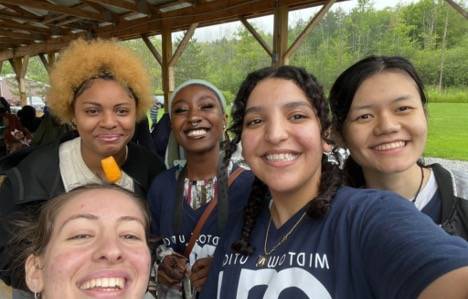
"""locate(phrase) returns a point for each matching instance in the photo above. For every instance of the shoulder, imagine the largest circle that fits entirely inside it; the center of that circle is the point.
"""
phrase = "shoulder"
(166, 180)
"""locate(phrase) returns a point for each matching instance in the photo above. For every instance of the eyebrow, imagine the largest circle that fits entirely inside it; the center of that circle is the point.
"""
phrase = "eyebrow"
(398, 99)
(94, 218)
(289, 105)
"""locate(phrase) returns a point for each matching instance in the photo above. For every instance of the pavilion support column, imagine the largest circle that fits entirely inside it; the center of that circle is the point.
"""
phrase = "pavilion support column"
(20, 66)
(167, 69)
(48, 61)
(280, 36)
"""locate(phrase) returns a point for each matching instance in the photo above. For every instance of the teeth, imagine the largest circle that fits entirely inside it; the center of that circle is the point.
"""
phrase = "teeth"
(281, 157)
(196, 133)
(104, 282)
(389, 146)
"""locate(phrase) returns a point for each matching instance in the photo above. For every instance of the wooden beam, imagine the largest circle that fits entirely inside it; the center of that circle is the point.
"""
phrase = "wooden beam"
(138, 7)
(280, 36)
(13, 35)
(310, 26)
(152, 49)
(58, 9)
(20, 10)
(458, 8)
(30, 28)
(257, 36)
(20, 65)
(8, 15)
(51, 45)
(5, 40)
(167, 69)
(183, 44)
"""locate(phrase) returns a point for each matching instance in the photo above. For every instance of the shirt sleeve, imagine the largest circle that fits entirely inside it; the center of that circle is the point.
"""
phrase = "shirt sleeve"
(404, 250)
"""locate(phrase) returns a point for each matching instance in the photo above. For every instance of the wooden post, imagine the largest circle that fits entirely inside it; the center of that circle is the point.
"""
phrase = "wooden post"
(280, 36)
(167, 68)
(20, 66)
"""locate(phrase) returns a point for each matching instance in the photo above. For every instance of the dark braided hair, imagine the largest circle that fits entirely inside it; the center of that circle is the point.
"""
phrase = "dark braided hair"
(345, 87)
(331, 177)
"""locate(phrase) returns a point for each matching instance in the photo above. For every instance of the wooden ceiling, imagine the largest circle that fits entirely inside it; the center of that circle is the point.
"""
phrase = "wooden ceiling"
(32, 27)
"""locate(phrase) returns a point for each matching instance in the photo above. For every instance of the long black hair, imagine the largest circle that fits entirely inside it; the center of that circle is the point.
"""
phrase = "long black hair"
(331, 177)
(345, 87)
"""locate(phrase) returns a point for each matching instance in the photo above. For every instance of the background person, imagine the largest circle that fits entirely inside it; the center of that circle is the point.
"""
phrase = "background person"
(380, 113)
(303, 235)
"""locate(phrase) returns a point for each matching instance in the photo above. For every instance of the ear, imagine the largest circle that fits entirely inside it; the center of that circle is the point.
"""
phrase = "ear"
(326, 147)
(34, 273)
(225, 121)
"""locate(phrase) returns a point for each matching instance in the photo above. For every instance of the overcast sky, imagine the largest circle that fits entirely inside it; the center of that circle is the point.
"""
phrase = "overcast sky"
(266, 23)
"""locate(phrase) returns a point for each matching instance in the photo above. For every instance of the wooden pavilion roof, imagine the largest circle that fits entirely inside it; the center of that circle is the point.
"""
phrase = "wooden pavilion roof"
(31, 27)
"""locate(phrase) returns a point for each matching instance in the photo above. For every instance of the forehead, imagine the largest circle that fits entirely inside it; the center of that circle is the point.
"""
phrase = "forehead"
(108, 89)
(275, 91)
(103, 203)
(195, 91)
(389, 84)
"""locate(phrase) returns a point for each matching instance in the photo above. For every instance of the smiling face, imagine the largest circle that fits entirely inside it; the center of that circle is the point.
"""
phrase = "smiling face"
(105, 116)
(97, 249)
(281, 138)
(197, 119)
(386, 126)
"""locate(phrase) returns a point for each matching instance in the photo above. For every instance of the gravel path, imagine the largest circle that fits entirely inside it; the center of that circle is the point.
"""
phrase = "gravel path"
(450, 164)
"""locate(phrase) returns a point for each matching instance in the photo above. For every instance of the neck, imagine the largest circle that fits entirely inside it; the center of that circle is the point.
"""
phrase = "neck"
(93, 160)
(202, 166)
(405, 183)
(287, 204)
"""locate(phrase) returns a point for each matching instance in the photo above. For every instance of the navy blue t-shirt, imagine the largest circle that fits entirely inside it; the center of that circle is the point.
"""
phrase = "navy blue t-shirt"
(162, 201)
(371, 244)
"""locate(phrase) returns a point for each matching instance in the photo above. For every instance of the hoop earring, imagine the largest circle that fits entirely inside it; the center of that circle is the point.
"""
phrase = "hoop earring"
(37, 295)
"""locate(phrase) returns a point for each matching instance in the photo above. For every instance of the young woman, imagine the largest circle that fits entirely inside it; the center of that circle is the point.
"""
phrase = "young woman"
(180, 196)
(379, 113)
(102, 89)
(302, 235)
(89, 243)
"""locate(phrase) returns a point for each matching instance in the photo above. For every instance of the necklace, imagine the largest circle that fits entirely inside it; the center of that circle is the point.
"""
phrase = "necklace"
(263, 259)
(420, 185)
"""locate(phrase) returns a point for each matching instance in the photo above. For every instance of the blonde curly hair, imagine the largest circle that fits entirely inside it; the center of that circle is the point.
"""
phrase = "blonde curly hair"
(83, 60)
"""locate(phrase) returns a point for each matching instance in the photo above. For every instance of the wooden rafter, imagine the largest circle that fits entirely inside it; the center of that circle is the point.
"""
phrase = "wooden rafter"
(19, 10)
(140, 6)
(61, 24)
(257, 36)
(58, 9)
(8, 15)
(458, 8)
(310, 26)
(30, 28)
(152, 49)
(13, 35)
(183, 44)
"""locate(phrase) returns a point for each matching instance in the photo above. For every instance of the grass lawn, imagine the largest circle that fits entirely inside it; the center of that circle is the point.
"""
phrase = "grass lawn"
(448, 131)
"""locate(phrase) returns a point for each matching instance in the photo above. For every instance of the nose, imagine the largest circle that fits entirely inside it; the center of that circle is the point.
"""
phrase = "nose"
(194, 118)
(276, 130)
(386, 124)
(109, 120)
(108, 250)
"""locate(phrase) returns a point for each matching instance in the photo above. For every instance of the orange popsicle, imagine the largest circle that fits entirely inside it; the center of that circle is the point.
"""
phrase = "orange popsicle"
(111, 169)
